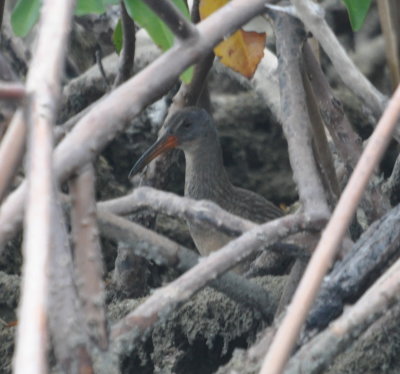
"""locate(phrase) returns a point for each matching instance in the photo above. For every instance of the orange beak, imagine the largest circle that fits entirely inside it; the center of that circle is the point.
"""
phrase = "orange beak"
(162, 145)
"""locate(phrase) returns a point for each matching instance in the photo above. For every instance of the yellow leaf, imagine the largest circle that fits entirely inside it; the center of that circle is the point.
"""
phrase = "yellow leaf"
(243, 50)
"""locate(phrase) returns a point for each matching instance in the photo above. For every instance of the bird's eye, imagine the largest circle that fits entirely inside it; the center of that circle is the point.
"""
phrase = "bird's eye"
(186, 125)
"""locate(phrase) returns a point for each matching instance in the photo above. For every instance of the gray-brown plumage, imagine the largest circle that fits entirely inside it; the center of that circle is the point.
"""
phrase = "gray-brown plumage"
(193, 131)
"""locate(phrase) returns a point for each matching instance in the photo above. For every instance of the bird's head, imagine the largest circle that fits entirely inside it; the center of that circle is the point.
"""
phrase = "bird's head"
(187, 129)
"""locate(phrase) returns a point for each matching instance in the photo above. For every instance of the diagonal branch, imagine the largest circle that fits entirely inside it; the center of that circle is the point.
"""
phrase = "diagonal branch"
(174, 19)
(163, 251)
(319, 353)
(330, 240)
(312, 16)
(113, 113)
(166, 299)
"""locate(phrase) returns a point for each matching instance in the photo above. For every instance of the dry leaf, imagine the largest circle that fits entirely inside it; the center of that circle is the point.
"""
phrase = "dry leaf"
(243, 50)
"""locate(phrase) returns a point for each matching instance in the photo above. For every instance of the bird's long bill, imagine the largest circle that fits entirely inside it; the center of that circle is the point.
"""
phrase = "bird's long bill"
(162, 145)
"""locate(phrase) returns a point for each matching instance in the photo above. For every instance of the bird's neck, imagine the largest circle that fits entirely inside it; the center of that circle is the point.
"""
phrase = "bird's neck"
(205, 176)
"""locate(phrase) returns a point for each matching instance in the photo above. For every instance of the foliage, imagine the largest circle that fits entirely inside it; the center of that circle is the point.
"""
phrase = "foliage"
(26, 14)
(357, 10)
(243, 50)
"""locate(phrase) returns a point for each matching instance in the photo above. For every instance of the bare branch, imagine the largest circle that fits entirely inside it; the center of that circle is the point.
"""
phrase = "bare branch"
(155, 247)
(114, 112)
(88, 260)
(174, 19)
(127, 57)
(166, 299)
(312, 16)
(391, 33)
(320, 352)
(321, 146)
(11, 91)
(43, 86)
(2, 3)
(392, 185)
(330, 240)
(66, 321)
(347, 141)
(168, 203)
(295, 118)
(349, 278)
(11, 149)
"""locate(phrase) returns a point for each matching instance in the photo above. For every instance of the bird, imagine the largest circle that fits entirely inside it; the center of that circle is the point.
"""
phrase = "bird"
(193, 131)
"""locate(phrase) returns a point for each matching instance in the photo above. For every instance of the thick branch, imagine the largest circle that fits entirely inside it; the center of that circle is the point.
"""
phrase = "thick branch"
(372, 253)
(42, 87)
(321, 146)
(205, 212)
(11, 91)
(166, 299)
(330, 240)
(163, 251)
(295, 118)
(347, 141)
(312, 17)
(114, 112)
(319, 353)
(391, 33)
(88, 259)
(11, 152)
(66, 320)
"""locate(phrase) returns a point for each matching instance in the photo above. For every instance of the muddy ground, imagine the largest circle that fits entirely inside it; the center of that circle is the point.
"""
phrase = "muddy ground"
(210, 333)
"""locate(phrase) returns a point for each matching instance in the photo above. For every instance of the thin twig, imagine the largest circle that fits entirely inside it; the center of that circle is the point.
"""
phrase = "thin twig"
(312, 16)
(174, 19)
(330, 240)
(127, 56)
(88, 260)
(99, 56)
(114, 113)
(319, 353)
(43, 87)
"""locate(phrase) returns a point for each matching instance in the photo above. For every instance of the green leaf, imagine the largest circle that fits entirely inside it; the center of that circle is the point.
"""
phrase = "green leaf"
(147, 19)
(187, 75)
(118, 37)
(357, 10)
(157, 29)
(24, 16)
(89, 6)
(110, 2)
